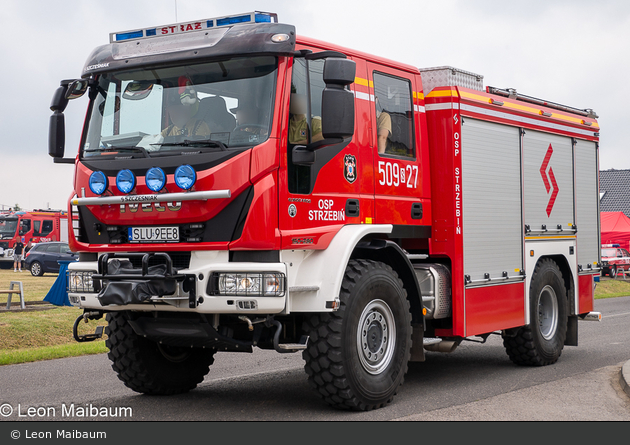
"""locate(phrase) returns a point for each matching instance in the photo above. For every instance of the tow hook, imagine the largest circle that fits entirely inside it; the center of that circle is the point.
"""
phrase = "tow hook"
(86, 316)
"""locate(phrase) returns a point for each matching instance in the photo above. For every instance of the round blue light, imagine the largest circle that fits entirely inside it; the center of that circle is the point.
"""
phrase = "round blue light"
(125, 181)
(155, 179)
(98, 182)
(185, 177)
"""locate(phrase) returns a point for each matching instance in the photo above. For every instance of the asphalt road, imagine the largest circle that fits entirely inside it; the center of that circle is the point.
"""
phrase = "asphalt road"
(476, 382)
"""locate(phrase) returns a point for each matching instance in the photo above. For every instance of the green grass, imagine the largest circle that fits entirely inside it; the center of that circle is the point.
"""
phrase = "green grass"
(15, 356)
(35, 288)
(609, 288)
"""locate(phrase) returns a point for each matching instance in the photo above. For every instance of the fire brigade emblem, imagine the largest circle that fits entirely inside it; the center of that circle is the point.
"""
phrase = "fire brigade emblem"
(350, 168)
(292, 210)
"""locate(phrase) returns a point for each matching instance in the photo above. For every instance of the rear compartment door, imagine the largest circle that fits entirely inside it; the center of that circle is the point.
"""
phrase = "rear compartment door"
(492, 209)
(587, 206)
(548, 185)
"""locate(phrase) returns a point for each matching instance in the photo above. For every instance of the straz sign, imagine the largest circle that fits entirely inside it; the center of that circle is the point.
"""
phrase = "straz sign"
(183, 27)
(151, 206)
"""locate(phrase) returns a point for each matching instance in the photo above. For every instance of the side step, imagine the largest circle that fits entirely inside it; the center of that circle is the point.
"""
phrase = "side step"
(294, 347)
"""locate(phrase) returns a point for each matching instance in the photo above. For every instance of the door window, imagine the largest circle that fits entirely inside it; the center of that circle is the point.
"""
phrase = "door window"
(394, 115)
(305, 125)
(53, 248)
(47, 227)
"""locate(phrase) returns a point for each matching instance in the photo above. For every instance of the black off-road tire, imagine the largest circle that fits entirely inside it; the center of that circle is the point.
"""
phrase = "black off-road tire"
(143, 366)
(541, 342)
(344, 375)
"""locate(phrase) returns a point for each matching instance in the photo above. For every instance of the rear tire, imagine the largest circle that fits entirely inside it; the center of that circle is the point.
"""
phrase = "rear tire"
(36, 269)
(357, 357)
(541, 342)
(149, 368)
(613, 272)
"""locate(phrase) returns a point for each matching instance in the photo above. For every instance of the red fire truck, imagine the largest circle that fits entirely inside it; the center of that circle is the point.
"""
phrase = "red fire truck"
(38, 226)
(240, 186)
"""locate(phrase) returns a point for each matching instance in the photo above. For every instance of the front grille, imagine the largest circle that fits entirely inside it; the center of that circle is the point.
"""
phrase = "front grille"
(181, 260)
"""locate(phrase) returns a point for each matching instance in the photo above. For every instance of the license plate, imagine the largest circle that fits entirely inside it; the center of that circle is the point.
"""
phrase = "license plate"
(153, 234)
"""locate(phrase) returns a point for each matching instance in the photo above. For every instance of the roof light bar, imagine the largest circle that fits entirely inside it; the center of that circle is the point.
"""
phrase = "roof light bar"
(198, 25)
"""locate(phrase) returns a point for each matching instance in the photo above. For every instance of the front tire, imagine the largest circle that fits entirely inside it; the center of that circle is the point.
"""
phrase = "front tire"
(613, 272)
(149, 368)
(357, 357)
(541, 342)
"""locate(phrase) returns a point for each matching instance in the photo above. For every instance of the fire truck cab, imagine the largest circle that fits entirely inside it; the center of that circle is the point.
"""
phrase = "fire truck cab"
(238, 185)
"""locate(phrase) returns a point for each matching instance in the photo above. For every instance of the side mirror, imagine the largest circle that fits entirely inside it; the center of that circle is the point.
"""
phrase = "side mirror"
(57, 135)
(76, 89)
(337, 100)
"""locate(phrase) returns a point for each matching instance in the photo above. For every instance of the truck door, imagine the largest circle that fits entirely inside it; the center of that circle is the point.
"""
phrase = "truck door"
(397, 181)
(337, 188)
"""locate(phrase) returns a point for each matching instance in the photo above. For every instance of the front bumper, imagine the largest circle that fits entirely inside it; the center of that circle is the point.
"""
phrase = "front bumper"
(185, 290)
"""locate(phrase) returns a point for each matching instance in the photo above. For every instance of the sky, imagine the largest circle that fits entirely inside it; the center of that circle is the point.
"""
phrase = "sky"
(574, 52)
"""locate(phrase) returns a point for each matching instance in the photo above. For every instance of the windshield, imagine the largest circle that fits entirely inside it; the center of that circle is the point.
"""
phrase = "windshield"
(211, 106)
(609, 252)
(8, 227)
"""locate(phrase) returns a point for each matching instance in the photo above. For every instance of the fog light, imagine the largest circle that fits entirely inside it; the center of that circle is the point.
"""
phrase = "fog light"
(98, 182)
(155, 179)
(80, 281)
(185, 177)
(267, 284)
(125, 181)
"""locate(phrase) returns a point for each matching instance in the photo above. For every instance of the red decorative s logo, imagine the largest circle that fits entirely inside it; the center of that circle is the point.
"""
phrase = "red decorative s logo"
(550, 183)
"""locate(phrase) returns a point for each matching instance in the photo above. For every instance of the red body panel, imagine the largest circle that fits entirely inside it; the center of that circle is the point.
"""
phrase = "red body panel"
(586, 293)
(494, 308)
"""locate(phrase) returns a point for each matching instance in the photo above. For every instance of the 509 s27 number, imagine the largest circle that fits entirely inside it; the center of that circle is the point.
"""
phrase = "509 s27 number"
(392, 173)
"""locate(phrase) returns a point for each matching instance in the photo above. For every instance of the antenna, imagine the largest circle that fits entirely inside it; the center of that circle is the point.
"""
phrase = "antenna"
(176, 11)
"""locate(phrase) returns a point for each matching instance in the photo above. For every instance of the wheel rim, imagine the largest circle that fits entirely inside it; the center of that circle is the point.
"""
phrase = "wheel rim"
(548, 312)
(35, 269)
(376, 337)
(173, 354)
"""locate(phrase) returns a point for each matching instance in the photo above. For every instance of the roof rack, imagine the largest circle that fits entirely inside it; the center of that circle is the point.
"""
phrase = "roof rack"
(512, 94)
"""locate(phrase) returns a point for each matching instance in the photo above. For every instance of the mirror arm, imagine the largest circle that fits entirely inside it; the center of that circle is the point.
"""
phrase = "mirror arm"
(63, 160)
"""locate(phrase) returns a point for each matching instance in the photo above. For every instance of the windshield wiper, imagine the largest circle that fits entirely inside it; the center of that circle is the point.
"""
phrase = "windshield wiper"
(202, 142)
(136, 149)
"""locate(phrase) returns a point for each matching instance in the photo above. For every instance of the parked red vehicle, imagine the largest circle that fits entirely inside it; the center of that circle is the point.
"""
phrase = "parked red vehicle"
(614, 260)
(37, 226)
(356, 209)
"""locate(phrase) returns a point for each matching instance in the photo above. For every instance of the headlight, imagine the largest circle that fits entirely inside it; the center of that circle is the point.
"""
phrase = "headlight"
(98, 182)
(155, 179)
(125, 181)
(185, 177)
(80, 281)
(268, 284)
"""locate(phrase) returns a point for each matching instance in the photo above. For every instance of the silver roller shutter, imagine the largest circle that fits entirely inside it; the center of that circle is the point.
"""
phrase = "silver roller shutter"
(548, 169)
(586, 207)
(491, 192)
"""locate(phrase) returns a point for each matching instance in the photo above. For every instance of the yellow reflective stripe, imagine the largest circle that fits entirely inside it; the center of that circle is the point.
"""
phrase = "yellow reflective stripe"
(523, 108)
(418, 95)
(363, 82)
(442, 93)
